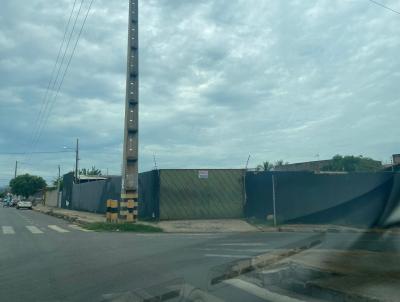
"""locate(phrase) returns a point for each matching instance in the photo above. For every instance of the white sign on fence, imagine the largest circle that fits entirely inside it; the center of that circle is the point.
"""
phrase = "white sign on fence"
(203, 174)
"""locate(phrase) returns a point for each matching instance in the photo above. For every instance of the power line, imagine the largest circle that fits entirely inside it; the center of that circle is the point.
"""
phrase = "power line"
(44, 105)
(36, 152)
(47, 112)
(66, 69)
(63, 151)
(384, 6)
(39, 117)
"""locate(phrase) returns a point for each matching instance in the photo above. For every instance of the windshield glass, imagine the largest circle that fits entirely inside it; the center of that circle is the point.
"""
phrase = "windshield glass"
(186, 150)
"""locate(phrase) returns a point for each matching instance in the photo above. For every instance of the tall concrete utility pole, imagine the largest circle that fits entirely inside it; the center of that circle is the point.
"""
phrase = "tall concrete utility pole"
(16, 169)
(58, 186)
(129, 190)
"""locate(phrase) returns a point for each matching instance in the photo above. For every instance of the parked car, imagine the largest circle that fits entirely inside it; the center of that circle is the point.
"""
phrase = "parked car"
(24, 204)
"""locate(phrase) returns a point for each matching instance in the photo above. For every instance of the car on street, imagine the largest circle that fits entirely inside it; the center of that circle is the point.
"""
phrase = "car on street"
(24, 204)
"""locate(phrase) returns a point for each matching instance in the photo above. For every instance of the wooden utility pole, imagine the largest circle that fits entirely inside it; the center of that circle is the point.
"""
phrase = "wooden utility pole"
(129, 190)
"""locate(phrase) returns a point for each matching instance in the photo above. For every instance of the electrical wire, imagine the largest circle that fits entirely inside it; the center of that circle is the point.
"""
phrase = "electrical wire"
(384, 6)
(64, 151)
(67, 67)
(36, 152)
(46, 113)
(49, 101)
(39, 116)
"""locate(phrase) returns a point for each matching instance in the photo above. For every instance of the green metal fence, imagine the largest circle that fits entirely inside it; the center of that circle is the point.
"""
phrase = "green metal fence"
(201, 194)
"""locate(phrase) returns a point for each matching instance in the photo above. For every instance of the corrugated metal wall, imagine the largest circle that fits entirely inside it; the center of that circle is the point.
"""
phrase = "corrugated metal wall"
(149, 187)
(92, 196)
(184, 194)
(66, 197)
(357, 199)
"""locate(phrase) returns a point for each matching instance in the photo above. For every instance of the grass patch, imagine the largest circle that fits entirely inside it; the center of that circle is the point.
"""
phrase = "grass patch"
(122, 227)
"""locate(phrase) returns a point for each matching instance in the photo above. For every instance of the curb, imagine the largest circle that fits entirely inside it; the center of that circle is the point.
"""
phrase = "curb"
(84, 222)
(68, 218)
(328, 230)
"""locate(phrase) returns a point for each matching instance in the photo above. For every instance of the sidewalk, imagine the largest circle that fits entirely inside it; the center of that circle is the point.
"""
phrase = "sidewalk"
(358, 275)
(332, 275)
(179, 226)
(78, 217)
(210, 225)
(207, 226)
(315, 228)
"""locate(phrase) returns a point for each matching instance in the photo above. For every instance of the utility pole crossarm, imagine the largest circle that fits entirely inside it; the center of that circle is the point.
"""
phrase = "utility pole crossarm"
(129, 192)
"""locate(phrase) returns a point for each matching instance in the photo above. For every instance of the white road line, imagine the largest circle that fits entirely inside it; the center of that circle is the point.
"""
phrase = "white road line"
(8, 230)
(197, 234)
(78, 228)
(243, 244)
(57, 229)
(33, 229)
(259, 292)
(234, 250)
(180, 235)
(227, 256)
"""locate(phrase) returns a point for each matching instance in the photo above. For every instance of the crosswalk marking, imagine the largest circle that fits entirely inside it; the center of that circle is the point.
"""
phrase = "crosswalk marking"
(227, 256)
(57, 228)
(243, 244)
(8, 230)
(33, 229)
(77, 227)
(233, 250)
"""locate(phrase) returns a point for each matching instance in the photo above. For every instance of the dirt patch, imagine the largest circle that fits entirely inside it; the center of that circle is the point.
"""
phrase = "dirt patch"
(207, 226)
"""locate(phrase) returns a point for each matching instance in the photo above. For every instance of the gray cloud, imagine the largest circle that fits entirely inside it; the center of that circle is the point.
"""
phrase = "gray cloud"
(218, 80)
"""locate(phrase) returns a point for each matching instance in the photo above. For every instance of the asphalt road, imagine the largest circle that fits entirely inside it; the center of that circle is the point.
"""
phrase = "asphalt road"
(43, 258)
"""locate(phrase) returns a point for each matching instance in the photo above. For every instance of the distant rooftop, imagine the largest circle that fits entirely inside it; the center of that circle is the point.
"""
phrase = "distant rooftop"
(92, 177)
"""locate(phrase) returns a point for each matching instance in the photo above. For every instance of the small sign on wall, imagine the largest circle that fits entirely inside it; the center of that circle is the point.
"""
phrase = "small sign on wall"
(203, 174)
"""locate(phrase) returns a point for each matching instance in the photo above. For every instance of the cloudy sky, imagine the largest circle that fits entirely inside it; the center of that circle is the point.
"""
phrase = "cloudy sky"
(219, 80)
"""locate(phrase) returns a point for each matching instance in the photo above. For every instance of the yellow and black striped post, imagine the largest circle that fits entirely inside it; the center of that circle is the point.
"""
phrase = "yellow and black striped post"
(112, 210)
(108, 211)
(128, 207)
